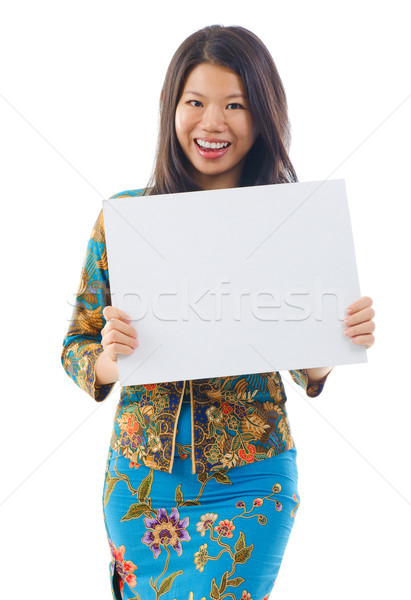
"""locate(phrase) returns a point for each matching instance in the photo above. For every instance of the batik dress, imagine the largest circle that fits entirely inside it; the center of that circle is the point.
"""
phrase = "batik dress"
(204, 512)
(184, 536)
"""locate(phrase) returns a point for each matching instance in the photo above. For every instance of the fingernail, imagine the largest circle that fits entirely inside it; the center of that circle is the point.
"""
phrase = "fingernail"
(349, 311)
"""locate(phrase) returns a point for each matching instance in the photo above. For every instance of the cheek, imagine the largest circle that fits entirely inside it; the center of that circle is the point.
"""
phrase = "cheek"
(182, 123)
(247, 131)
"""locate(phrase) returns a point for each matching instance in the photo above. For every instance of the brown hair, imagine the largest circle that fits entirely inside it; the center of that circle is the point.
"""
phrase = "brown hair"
(244, 53)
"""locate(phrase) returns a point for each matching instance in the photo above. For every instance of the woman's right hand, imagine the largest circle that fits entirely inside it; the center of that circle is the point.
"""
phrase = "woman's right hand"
(118, 336)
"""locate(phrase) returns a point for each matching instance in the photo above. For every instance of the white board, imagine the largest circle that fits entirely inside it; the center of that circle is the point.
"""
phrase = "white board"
(234, 281)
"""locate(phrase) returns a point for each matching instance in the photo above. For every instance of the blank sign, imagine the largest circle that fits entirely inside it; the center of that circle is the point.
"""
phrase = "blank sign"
(235, 281)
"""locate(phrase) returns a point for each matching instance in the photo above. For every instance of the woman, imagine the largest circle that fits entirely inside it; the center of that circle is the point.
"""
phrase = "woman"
(226, 514)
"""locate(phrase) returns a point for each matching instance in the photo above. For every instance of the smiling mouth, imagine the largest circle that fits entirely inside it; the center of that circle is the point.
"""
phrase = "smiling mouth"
(211, 146)
(210, 153)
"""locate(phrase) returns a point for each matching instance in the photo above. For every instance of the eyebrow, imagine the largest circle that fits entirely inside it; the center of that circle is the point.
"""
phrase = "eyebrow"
(226, 98)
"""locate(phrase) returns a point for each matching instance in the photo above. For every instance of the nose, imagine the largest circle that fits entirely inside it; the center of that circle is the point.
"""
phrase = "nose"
(213, 119)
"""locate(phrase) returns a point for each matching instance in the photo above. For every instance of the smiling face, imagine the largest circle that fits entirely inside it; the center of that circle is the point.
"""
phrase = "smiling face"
(214, 126)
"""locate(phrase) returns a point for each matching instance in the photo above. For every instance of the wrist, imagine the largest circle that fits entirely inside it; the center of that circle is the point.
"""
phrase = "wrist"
(106, 369)
(317, 373)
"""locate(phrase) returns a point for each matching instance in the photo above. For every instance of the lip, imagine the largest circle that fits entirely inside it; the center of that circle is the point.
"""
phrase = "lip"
(211, 154)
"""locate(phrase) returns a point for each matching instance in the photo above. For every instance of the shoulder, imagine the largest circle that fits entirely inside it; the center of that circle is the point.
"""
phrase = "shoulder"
(98, 231)
(138, 192)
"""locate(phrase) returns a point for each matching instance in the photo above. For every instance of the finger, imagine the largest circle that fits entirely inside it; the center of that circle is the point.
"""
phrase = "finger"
(359, 304)
(117, 324)
(362, 328)
(119, 337)
(110, 312)
(366, 314)
(117, 348)
(367, 340)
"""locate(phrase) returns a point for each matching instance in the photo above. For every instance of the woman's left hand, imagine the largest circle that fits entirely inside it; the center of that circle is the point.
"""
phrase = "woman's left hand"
(359, 321)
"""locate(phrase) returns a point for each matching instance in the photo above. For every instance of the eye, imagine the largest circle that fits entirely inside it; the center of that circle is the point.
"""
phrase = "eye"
(235, 104)
(194, 103)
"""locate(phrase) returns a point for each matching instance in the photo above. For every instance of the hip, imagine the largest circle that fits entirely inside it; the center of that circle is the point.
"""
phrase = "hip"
(207, 523)
(261, 478)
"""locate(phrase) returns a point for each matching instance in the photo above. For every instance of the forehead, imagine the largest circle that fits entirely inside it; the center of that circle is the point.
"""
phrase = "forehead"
(208, 77)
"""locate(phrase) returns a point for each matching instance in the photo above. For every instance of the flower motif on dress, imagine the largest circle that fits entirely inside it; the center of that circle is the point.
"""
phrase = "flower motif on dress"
(249, 455)
(132, 440)
(129, 443)
(207, 522)
(149, 386)
(226, 408)
(258, 502)
(161, 403)
(294, 510)
(247, 596)
(213, 414)
(183, 450)
(240, 411)
(166, 529)
(225, 528)
(124, 568)
(154, 442)
(128, 424)
(229, 460)
(233, 423)
(201, 557)
(213, 455)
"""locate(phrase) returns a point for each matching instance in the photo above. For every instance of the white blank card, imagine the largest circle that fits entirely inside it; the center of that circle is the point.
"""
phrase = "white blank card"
(234, 281)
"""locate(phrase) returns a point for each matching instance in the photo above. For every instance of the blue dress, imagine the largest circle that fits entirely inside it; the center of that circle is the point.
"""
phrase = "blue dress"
(202, 512)
(184, 536)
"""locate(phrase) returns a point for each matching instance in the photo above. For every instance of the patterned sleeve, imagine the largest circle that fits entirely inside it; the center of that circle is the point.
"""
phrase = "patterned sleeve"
(300, 376)
(82, 344)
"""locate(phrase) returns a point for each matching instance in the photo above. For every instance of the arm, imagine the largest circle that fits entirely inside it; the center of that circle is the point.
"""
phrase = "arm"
(81, 345)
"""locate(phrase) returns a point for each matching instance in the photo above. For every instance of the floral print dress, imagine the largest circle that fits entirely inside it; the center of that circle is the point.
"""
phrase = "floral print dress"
(184, 536)
(204, 512)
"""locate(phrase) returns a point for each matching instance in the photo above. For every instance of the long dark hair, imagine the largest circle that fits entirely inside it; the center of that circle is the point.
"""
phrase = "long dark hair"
(244, 53)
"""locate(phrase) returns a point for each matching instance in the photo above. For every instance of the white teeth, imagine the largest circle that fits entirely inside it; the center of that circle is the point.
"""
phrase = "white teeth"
(212, 145)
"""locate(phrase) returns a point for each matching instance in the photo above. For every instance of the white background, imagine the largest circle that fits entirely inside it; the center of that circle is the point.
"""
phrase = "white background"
(79, 85)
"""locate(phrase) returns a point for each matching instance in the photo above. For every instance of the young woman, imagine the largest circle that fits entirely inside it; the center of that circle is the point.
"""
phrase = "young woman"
(201, 476)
